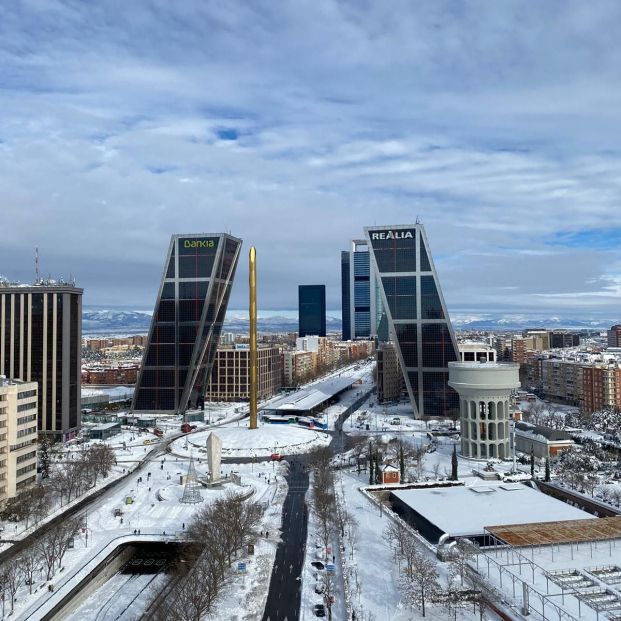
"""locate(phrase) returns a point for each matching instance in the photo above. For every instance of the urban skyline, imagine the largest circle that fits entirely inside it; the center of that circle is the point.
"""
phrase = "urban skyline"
(310, 310)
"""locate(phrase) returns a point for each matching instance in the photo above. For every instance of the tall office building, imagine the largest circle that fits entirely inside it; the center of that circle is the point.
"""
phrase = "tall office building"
(41, 341)
(417, 316)
(361, 306)
(312, 310)
(187, 322)
(614, 336)
(563, 339)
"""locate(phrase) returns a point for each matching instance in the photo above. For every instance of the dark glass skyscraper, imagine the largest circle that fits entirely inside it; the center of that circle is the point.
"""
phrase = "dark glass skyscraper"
(41, 341)
(187, 321)
(417, 316)
(312, 310)
(361, 308)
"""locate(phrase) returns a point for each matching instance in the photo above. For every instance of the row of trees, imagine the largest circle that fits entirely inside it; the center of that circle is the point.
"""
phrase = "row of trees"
(44, 557)
(217, 534)
(332, 517)
(419, 580)
(61, 482)
(371, 454)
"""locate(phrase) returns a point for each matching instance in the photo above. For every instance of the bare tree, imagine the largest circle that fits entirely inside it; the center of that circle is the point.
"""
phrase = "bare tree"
(418, 455)
(101, 458)
(64, 537)
(396, 534)
(12, 578)
(419, 584)
(46, 546)
(31, 564)
(194, 594)
(328, 582)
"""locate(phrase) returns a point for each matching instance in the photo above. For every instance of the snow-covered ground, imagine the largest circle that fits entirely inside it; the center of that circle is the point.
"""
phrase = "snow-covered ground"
(241, 442)
(150, 503)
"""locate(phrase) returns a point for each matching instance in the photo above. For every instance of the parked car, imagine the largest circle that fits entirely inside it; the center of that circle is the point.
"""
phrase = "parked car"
(319, 610)
(318, 565)
(276, 457)
(320, 587)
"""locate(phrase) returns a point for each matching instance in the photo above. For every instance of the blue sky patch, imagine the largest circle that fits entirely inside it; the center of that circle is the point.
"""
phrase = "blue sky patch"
(598, 239)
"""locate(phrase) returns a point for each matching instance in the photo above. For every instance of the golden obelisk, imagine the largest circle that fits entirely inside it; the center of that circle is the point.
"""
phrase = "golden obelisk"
(252, 281)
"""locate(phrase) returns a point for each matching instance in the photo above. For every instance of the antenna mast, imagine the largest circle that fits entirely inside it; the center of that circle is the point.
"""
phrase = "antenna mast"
(36, 264)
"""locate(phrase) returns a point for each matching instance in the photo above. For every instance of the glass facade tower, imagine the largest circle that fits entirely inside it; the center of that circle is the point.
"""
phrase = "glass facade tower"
(312, 310)
(417, 316)
(187, 322)
(361, 309)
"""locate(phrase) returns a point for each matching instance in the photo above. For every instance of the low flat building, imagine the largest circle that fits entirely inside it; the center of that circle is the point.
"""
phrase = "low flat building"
(309, 401)
(104, 431)
(541, 441)
(18, 437)
(466, 511)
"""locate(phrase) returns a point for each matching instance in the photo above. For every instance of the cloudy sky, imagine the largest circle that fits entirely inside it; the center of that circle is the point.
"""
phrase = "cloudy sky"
(292, 124)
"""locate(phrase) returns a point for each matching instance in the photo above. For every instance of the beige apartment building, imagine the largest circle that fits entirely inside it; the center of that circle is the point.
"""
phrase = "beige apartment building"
(18, 437)
(298, 366)
(230, 374)
(562, 380)
(389, 377)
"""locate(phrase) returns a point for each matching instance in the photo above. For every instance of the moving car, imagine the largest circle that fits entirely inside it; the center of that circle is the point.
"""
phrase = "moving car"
(318, 565)
(319, 610)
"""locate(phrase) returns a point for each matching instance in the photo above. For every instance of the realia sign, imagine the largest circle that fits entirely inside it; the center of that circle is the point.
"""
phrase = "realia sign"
(403, 234)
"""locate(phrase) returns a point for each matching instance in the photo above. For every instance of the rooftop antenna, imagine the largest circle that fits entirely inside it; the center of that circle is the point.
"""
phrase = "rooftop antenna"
(417, 220)
(36, 264)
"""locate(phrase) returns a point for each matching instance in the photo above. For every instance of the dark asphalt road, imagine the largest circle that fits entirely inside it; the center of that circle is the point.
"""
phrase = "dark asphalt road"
(283, 600)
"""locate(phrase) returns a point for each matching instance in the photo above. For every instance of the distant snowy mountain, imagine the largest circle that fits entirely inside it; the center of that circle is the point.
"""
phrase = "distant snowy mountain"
(127, 321)
(520, 321)
(115, 321)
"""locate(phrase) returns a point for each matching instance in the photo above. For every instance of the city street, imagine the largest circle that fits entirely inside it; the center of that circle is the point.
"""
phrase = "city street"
(283, 600)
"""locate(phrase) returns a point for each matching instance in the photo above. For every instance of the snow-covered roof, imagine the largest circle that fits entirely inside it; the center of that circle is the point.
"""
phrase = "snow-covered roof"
(106, 426)
(310, 398)
(386, 467)
(466, 511)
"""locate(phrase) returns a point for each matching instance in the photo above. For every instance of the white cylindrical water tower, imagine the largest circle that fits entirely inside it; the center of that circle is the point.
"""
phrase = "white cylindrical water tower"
(484, 391)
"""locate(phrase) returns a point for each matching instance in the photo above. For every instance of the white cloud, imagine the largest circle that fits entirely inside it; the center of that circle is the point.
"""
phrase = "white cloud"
(493, 123)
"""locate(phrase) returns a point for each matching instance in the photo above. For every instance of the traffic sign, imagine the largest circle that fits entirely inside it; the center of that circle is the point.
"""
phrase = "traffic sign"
(241, 567)
(330, 568)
